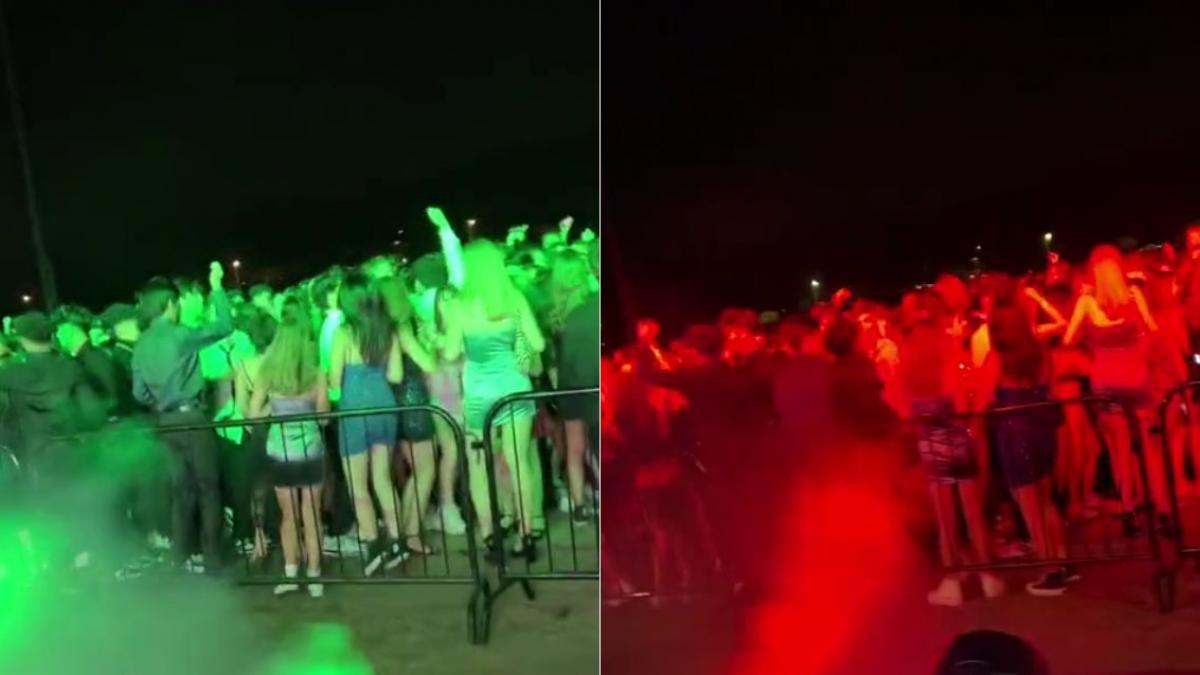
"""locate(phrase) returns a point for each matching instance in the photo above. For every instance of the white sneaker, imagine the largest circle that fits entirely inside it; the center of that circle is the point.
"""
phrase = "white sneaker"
(453, 518)
(158, 542)
(284, 589)
(993, 586)
(947, 594)
(315, 590)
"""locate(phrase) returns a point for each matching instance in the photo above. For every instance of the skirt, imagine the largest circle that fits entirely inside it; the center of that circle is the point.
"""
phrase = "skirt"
(297, 474)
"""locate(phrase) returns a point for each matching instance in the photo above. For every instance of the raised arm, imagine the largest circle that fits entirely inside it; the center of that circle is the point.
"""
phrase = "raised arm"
(416, 351)
(1144, 309)
(219, 329)
(1077, 317)
(451, 246)
(1056, 323)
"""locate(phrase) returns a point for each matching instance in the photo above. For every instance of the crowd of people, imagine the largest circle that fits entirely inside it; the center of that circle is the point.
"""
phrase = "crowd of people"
(115, 408)
(701, 429)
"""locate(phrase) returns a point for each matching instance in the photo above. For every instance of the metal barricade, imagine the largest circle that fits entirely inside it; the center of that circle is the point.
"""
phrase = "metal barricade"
(559, 551)
(1087, 542)
(455, 560)
(1183, 394)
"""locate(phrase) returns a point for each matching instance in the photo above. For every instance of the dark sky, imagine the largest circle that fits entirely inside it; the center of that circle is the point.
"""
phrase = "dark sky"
(745, 153)
(165, 134)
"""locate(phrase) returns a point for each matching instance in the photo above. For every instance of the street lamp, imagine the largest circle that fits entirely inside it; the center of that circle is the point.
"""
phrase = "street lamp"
(25, 299)
(470, 228)
(1047, 239)
(237, 272)
(816, 289)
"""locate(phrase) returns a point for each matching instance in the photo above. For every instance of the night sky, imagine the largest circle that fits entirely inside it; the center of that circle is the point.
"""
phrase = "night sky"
(744, 154)
(166, 134)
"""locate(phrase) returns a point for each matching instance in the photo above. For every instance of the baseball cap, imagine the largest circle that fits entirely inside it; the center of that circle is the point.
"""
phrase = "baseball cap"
(33, 326)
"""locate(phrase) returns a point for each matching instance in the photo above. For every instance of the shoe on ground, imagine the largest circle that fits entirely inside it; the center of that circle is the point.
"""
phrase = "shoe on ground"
(1051, 584)
(158, 542)
(284, 589)
(315, 589)
(947, 594)
(433, 520)
(452, 516)
(193, 566)
(1071, 574)
(394, 555)
(582, 516)
(993, 586)
(375, 557)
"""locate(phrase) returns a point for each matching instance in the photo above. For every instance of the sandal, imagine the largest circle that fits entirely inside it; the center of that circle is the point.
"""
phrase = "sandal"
(422, 548)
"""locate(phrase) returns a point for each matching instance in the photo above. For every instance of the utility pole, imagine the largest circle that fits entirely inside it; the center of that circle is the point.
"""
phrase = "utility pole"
(45, 271)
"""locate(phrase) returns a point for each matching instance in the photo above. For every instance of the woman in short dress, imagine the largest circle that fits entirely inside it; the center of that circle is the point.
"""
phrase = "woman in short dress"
(932, 376)
(1114, 320)
(290, 382)
(492, 326)
(365, 361)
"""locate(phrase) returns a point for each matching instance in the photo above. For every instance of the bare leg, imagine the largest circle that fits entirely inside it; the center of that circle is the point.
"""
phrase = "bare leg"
(943, 506)
(356, 468)
(576, 443)
(516, 440)
(310, 500)
(417, 490)
(385, 490)
(478, 483)
(977, 529)
(1056, 535)
(448, 463)
(287, 526)
(1034, 513)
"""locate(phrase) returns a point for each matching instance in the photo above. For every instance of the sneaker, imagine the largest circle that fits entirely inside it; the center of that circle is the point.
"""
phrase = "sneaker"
(1051, 584)
(564, 501)
(1071, 574)
(452, 516)
(193, 565)
(582, 516)
(947, 594)
(993, 586)
(315, 590)
(284, 589)
(157, 542)
(375, 556)
(395, 554)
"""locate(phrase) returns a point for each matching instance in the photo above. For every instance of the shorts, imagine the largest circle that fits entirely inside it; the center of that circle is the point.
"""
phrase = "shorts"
(307, 473)
(945, 446)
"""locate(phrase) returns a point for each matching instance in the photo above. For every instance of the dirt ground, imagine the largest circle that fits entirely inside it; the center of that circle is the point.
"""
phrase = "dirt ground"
(1107, 624)
(423, 629)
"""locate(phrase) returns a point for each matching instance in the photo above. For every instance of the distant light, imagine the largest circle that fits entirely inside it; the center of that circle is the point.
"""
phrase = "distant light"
(978, 247)
(470, 222)
(396, 243)
(237, 263)
(26, 299)
(1048, 237)
(404, 261)
(816, 284)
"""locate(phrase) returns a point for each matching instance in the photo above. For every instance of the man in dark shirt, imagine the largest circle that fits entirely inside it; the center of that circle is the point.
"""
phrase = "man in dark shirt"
(42, 389)
(167, 379)
(121, 320)
(71, 332)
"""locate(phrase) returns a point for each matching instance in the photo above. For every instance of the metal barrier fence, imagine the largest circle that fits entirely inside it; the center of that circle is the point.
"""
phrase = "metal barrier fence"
(1083, 543)
(294, 440)
(1185, 394)
(543, 551)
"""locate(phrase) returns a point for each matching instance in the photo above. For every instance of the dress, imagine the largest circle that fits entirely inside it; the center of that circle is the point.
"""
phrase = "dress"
(413, 391)
(1027, 440)
(491, 372)
(296, 450)
(364, 387)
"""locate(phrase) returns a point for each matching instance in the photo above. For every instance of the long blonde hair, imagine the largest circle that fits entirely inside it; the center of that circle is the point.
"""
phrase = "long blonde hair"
(1108, 278)
(290, 366)
(487, 282)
